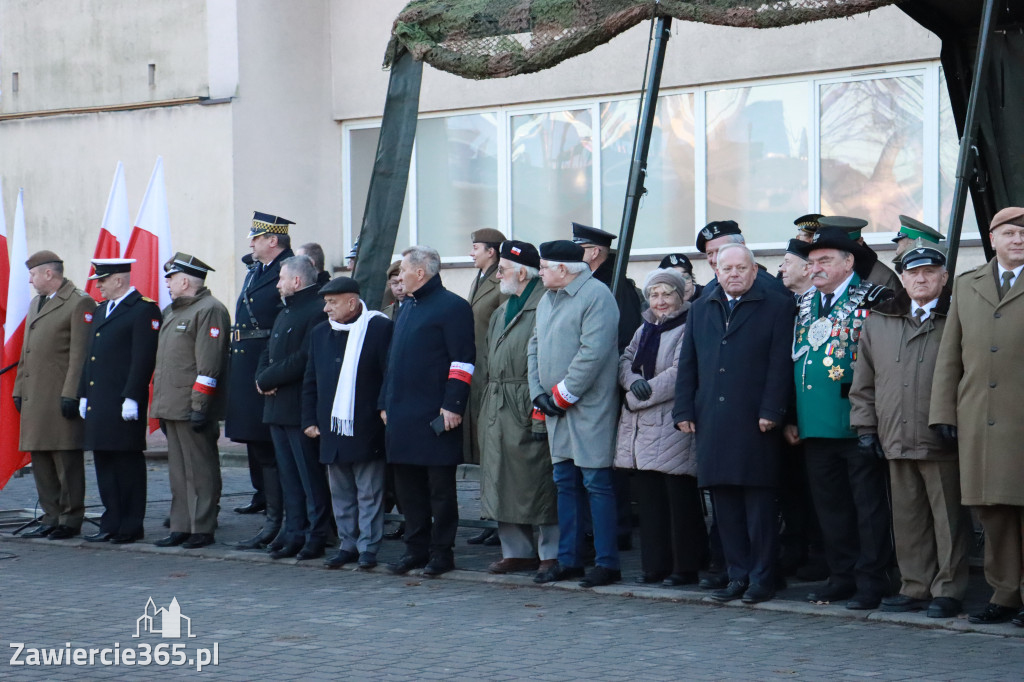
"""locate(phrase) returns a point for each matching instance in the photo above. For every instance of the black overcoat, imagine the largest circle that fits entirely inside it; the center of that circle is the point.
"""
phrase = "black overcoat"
(119, 365)
(733, 372)
(326, 353)
(282, 363)
(257, 308)
(434, 330)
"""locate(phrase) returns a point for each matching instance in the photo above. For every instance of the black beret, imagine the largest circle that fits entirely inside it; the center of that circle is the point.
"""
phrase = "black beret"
(714, 230)
(676, 260)
(523, 253)
(584, 234)
(798, 248)
(561, 251)
(340, 285)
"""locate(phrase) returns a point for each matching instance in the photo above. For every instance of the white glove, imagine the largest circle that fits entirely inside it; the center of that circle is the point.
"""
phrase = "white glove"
(82, 402)
(129, 410)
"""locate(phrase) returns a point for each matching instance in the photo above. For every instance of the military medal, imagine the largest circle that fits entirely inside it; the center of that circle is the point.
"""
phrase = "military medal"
(819, 332)
(835, 374)
(827, 361)
(844, 336)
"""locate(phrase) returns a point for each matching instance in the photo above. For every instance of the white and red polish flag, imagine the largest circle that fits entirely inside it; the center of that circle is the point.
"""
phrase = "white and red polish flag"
(19, 295)
(115, 230)
(150, 243)
(5, 263)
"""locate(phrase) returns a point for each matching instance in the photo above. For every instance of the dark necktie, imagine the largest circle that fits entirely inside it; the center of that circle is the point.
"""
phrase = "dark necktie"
(732, 304)
(42, 302)
(1004, 288)
(919, 316)
(826, 304)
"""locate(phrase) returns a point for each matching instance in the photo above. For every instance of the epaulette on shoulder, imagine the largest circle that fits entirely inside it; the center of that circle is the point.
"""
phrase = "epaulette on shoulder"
(147, 299)
(878, 294)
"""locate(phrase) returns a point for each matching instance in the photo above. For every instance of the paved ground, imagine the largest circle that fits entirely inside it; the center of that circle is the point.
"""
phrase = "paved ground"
(277, 620)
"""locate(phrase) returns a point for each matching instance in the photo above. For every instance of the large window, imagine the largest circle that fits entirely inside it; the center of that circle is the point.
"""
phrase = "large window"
(762, 153)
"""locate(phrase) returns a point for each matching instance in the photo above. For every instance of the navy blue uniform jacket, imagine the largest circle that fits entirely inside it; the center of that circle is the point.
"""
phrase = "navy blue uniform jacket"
(434, 330)
(119, 365)
(733, 372)
(326, 352)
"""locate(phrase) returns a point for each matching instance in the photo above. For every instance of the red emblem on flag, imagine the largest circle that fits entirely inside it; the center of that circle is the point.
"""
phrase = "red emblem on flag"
(88, 318)
(155, 323)
(214, 332)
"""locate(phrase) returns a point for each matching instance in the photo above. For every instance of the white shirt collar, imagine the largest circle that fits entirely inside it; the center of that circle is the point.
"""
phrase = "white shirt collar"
(840, 290)
(1015, 271)
(927, 307)
(117, 301)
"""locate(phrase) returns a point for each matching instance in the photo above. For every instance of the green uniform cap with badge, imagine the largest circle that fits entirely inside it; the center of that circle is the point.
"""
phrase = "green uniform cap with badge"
(851, 226)
(915, 229)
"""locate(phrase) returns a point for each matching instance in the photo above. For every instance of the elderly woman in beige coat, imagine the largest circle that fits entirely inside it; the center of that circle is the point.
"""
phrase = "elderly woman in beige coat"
(673, 537)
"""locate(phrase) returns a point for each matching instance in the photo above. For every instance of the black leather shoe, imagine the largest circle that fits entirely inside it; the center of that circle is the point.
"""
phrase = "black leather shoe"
(40, 531)
(172, 540)
(63, 533)
(993, 613)
(812, 572)
(648, 578)
(99, 537)
(252, 508)
(901, 603)
(277, 544)
(600, 575)
(288, 551)
(406, 564)
(481, 537)
(342, 557)
(864, 601)
(438, 566)
(558, 572)
(396, 534)
(944, 607)
(832, 592)
(734, 590)
(367, 560)
(714, 581)
(1018, 620)
(756, 594)
(197, 540)
(310, 551)
(493, 541)
(677, 579)
(126, 538)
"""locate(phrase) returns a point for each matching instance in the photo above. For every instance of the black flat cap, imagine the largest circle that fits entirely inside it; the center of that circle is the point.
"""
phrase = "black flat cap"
(584, 234)
(340, 285)
(798, 248)
(714, 230)
(561, 251)
(523, 253)
(676, 260)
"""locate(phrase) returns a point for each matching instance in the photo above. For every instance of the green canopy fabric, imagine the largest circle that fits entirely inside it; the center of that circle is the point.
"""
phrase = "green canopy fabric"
(500, 38)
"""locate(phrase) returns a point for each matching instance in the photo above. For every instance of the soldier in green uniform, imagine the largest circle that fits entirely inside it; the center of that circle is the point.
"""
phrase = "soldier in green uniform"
(848, 488)
(913, 234)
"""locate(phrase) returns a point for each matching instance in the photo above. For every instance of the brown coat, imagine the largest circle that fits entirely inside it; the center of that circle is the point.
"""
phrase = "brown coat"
(50, 367)
(979, 386)
(892, 387)
(484, 296)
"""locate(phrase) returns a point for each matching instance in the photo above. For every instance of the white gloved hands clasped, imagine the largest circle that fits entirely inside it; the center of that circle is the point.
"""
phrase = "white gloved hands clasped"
(129, 410)
(82, 404)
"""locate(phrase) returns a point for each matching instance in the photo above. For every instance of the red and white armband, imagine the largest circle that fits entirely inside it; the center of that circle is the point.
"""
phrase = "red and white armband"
(204, 384)
(562, 397)
(463, 371)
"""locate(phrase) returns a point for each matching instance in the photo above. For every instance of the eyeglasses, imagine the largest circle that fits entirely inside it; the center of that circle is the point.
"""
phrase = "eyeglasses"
(502, 269)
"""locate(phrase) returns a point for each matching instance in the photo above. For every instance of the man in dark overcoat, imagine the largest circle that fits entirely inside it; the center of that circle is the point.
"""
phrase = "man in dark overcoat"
(344, 374)
(114, 396)
(279, 375)
(255, 311)
(732, 390)
(45, 393)
(426, 392)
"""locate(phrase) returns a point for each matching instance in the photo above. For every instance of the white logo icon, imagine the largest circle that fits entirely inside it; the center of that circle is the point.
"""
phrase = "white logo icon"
(165, 622)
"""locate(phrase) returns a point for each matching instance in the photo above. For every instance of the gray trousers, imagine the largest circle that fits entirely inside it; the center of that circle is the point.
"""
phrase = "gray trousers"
(194, 468)
(517, 541)
(60, 484)
(357, 495)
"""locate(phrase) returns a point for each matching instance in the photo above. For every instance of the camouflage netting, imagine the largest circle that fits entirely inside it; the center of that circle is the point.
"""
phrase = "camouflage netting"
(500, 38)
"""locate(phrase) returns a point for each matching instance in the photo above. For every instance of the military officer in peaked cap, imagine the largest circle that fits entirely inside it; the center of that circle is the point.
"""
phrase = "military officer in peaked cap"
(869, 268)
(806, 226)
(113, 396)
(188, 397)
(913, 234)
(255, 311)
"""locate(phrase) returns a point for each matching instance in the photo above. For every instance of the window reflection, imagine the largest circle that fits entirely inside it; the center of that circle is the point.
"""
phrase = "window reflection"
(362, 150)
(949, 154)
(872, 160)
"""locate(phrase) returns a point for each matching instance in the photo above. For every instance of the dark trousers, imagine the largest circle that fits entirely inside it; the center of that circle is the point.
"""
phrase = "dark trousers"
(307, 498)
(260, 454)
(851, 498)
(121, 480)
(748, 524)
(673, 537)
(800, 532)
(431, 507)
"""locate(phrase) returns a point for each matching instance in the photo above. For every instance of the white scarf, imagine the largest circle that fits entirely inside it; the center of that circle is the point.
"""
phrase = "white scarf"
(343, 410)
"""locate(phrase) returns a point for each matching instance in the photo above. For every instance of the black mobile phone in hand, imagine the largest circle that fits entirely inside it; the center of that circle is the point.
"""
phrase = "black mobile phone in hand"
(437, 424)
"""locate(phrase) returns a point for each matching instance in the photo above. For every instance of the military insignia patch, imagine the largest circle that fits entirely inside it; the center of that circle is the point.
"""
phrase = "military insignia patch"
(147, 299)
(88, 318)
(214, 332)
(707, 233)
(155, 324)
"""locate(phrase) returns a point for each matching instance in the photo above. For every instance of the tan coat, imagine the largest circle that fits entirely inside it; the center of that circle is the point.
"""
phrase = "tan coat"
(484, 296)
(979, 386)
(56, 339)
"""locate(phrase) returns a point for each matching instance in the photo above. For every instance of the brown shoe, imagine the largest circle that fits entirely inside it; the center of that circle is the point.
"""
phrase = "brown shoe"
(513, 565)
(544, 567)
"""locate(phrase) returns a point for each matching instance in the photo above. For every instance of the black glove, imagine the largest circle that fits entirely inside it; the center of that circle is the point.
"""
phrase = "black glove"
(948, 434)
(538, 436)
(641, 389)
(198, 419)
(17, 404)
(69, 408)
(870, 445)
(546, 404)
(163, 427)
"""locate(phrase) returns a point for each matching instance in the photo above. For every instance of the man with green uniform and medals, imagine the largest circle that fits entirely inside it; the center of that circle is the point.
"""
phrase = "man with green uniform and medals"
(848, 488)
